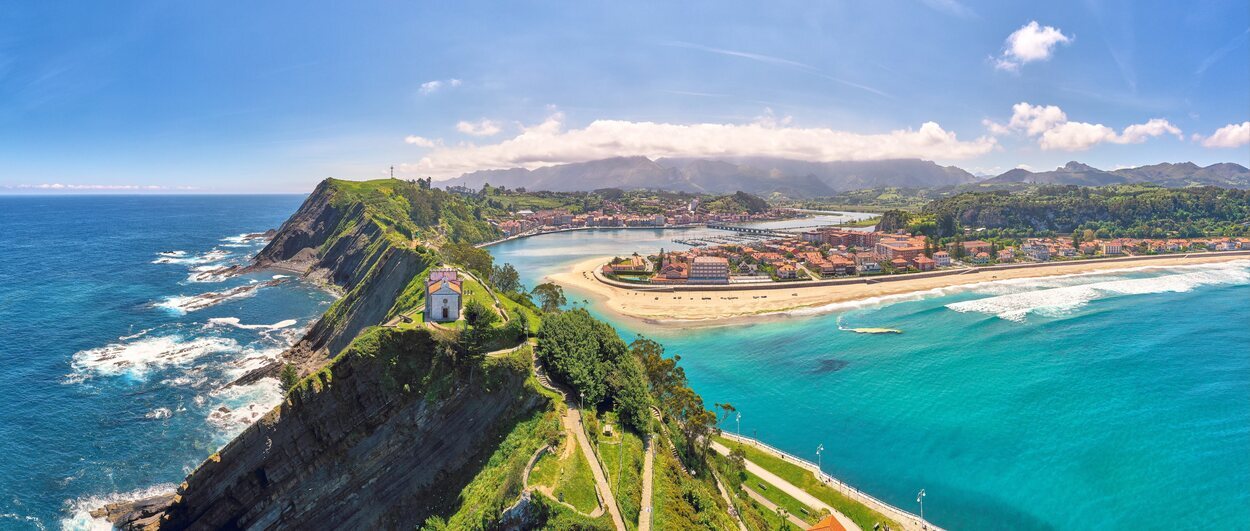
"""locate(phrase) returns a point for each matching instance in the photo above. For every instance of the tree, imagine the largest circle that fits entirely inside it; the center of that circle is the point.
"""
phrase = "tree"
(288, 377)
(479, 315)
(551, 295)
(726, 409)
(476, 260)
(506, 279)
(575, 347)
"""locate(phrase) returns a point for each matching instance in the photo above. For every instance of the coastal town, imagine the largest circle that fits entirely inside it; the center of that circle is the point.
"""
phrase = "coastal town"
(834, 253)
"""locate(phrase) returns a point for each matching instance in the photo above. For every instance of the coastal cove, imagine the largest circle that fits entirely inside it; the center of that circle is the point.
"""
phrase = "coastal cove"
(1085, 371)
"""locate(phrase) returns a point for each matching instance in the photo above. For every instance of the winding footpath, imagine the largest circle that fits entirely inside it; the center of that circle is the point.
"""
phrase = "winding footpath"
(572, 421)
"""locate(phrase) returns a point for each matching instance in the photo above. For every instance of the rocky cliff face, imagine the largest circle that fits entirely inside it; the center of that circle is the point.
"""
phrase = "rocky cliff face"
(382, 438)
(339, 243)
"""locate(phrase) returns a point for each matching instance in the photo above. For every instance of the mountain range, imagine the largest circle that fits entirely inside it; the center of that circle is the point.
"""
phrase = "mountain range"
(796, 178)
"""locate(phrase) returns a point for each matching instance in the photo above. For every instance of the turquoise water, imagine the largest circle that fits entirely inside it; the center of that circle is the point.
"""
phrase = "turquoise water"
(110, 386)
(1113, 400)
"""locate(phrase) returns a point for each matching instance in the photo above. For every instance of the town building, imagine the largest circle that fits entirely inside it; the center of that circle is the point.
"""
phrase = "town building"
(942, 259)
(709, 270)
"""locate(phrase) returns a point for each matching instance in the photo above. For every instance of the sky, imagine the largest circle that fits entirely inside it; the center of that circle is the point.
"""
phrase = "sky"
(260, 97)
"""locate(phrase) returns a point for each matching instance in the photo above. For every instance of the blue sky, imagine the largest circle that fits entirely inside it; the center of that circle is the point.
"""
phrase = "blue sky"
(274, 96)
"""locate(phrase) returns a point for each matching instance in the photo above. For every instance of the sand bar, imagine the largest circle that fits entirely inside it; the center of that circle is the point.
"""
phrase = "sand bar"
(693, 308)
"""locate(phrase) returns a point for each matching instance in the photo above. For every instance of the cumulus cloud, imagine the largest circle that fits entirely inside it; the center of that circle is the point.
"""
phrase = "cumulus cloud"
(549, 142)
(430, 87)
(1032, 42)
(482, 128)
(421, 141)
(1054, 132)
(1229, 136)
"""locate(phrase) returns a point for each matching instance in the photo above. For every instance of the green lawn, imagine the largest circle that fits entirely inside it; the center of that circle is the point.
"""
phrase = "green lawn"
(783, 500)
(683, 502)
(628, 486)
(803, 478)
(571, 478)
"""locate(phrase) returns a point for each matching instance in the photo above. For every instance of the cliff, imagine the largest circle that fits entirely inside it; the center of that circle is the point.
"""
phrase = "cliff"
(340, 240)
(381, 438)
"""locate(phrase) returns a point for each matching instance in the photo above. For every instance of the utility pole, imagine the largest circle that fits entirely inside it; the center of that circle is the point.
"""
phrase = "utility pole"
(392, 171)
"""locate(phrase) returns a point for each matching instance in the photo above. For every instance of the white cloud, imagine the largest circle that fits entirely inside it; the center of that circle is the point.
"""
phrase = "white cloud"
(421, 141)
(1032, 42)
(550, 143)
(482, 128)
(430, 87)
(1229, 136)
(1055, 132)
(1035, 119)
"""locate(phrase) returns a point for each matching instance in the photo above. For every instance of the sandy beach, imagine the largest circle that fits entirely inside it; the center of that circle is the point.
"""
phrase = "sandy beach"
(719, 307)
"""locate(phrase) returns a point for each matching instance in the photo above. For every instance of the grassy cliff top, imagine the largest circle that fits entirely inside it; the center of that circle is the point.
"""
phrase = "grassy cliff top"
(406, 210)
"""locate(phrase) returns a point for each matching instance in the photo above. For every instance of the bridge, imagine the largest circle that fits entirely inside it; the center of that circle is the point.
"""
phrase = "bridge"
(748, 230)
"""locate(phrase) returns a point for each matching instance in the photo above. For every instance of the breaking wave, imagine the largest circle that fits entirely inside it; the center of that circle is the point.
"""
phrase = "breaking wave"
(137, 358)
(237, 407)
(1053, 301)
(79, 510)
(181, 257)
(234, 321)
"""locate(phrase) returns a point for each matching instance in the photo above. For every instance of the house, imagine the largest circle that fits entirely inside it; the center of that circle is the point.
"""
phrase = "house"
(981, 258)
(709, 270)
(1112, 247)
(899, 263)
(787, 271)
(1006, 255)
(841, 265)
(942, 259)
(976, 246)
(672, 273)
(924, 263)
(442, 295)
(867, 263)
(630, 265)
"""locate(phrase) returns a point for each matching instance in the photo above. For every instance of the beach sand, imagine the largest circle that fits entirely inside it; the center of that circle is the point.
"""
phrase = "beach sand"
(712, 308)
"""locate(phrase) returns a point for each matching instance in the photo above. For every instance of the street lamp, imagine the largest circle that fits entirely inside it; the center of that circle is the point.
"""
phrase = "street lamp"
(819, 449)
(739, 432)
(920, 500)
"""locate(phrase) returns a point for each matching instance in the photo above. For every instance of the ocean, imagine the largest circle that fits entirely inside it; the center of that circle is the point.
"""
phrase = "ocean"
(1116, 400)
(112, 383)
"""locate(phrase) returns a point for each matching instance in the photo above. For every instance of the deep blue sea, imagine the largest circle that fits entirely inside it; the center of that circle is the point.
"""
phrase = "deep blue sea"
(109, 386)
(1114, 401)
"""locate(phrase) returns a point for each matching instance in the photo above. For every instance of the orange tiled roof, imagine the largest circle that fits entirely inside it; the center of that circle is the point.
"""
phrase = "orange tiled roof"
(830, 523)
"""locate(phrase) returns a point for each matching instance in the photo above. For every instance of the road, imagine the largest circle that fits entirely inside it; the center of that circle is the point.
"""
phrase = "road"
(791, 489)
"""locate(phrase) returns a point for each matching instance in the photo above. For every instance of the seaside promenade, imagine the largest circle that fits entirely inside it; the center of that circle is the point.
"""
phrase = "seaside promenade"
(908, 520)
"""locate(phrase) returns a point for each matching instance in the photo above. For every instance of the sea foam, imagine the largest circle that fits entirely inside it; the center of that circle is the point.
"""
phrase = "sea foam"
(1054, 301)
(79, 510)
(137, 358)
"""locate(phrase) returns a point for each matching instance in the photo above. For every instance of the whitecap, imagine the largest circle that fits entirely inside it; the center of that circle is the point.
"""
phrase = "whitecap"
(136, 358)
(1044, 299)
(32, 520)
(234, 321)
(158, 413)
(79, 510)
(215, 255)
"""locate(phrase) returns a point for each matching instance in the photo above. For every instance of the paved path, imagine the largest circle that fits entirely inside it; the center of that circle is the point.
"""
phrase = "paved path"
(572, 421)
(773, 507)
(720, 486)
(648, 468)
(791, 489)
